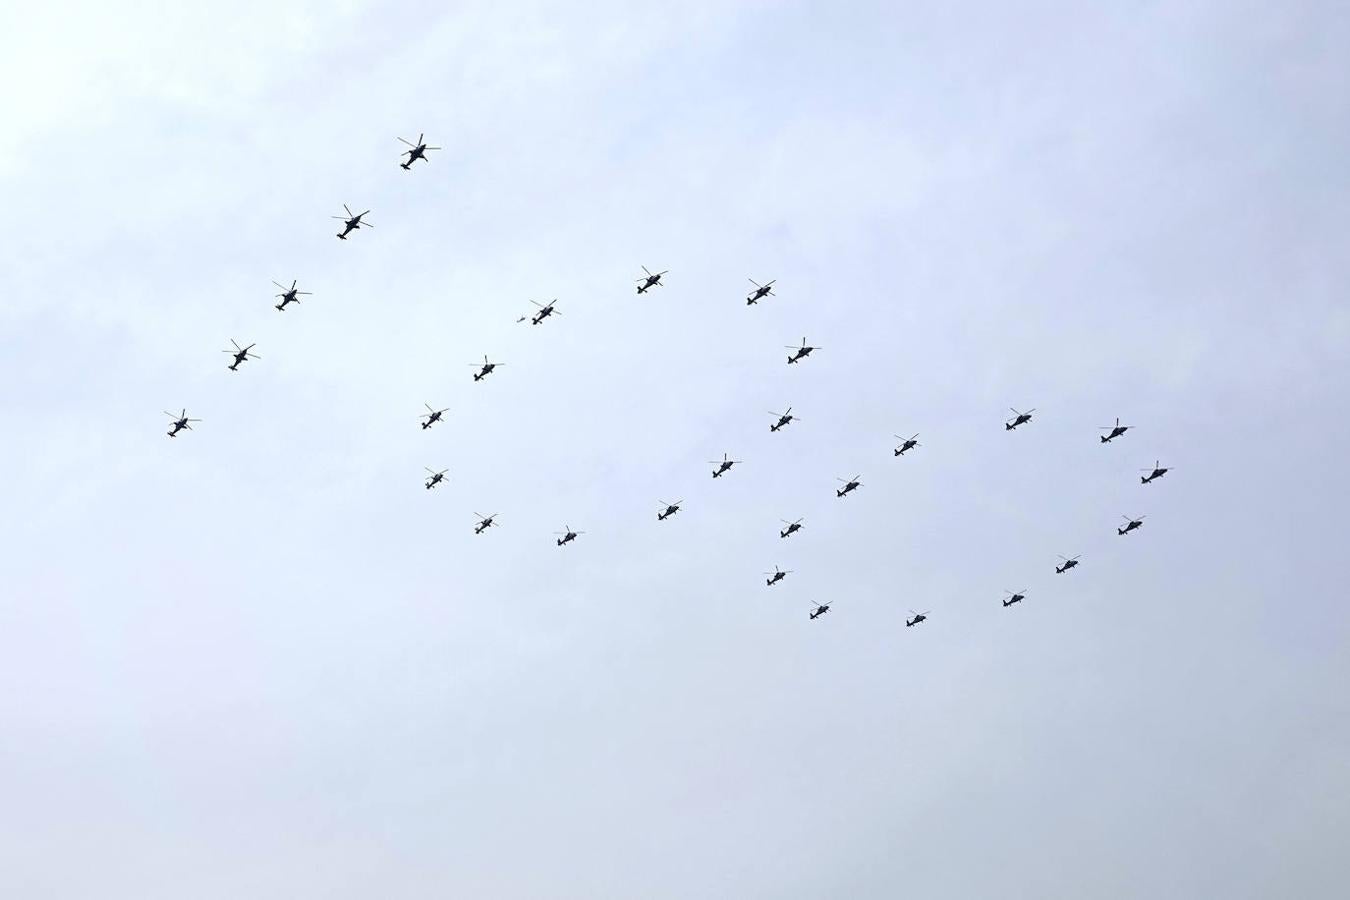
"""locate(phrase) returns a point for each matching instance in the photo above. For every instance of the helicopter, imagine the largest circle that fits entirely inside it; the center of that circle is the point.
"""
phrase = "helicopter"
(432, 416)
(1015, 598)
(289, 295)
(488, 368)
(241, 354)
(802, 352)
(1130, 525)
(180, 422)
(351, 222)
(906, 445)
(1116, 431)
(918, 617)
(1153, 475)
(850, 485)
(792, 528)
(778, 575)
(544, 313)
(670, 510)
(649, 281)
(820, 610)
(1019, 419)
(568, 535)
(418, 151)
(1068, 564)
(784, 418)
(484, 522)
(436, 477)
(723, 465)
(759, 293)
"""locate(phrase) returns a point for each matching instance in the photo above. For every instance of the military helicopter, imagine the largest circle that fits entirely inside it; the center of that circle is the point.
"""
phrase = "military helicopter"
(906, 445)
(1130, 525)
(1015, 598)
(723, 465)
(670, 510)
(759, 293)
(1116, 431)
(784, 418)
(850, 485)
(1154, 475)
(792, 528)
(289, 295)
(568, 535)
(484, 522)
(918, 617)
(778, 575)
(351, 222)
(418, 151)
(1020, 418)
(802, 352)
(649, 281)
(544, 313)
(432, 416)
(241, 354)
(487, 368)
(436, 477)
(180, 422)
(1068, 564)
(820, 610)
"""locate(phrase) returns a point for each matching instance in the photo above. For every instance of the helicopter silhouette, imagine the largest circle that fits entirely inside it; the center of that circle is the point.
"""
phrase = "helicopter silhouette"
(1020, 418)
(1068, 564)
(289, 295)
(568, 535)
(418, 151)
(1116, 431)
(784, 418)
(778, 575)
(484, 522)
(436, 477)
(820, 610)
(649, 281)
(1015, 597)
(723, 465)
(906, 445)
(918, 617)
(759, 293)
(432, 416)
(241, 355)
(351, 222)
(802, 352)
(792, 528)
(544, 313)
(670, 510)
(180, 422)
(1130, 525)
(1153, 475)
(487, 368)
(850, 485)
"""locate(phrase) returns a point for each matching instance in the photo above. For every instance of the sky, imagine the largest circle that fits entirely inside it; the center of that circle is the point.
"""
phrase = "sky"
(261, 660)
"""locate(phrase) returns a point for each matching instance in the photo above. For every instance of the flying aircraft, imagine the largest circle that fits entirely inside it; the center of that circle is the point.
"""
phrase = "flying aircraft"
(649, 281)
(180, 422)
(723, 465)
(351, 222)
(484, 522)
(544, 313)
(436, 477)
(784, 418)
(1068, 564)
(820, 610)
(906, 445)
(778, 575)
(289, 295)
(1015, 598)
(1130, 525)
(792, 528)
(670, 510)
(418, 151)
(802, 352)
(487, 368)
(759, 293)
(918, 617)
(1155, 474)
(1019, 419)
(241, 355)
(568, 535)
(1116, 431)
(850, 485)
(432, 416)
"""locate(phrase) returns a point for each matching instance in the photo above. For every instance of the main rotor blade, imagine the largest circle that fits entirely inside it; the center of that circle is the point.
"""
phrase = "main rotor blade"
(347, 208)
(409, 143)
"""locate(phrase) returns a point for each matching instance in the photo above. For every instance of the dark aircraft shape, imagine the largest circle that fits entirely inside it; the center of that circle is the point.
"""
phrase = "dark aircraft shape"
(487, 368)
(1156, 473)
(906, 445)
(723, 465)
(418, 151)
(850, 485)
(1116, 431)
(484, 522)
(818, 611)
(1015, 598)
(289, 295)
(567, 535)
(1068, 564)
(918, 617)
(759, 293)
(792, 528)
(1130, 525)
(670, 510)
(784, 418)
(777, 576)
(432, 416)
(436, 477)
(1019, 418)
(241, 355)
(802, 352)
(180, 422)
(544, 313)
(351, 222)
(649, 281)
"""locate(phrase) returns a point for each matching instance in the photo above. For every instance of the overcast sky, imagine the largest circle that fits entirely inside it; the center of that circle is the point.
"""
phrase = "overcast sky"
(261, 660)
